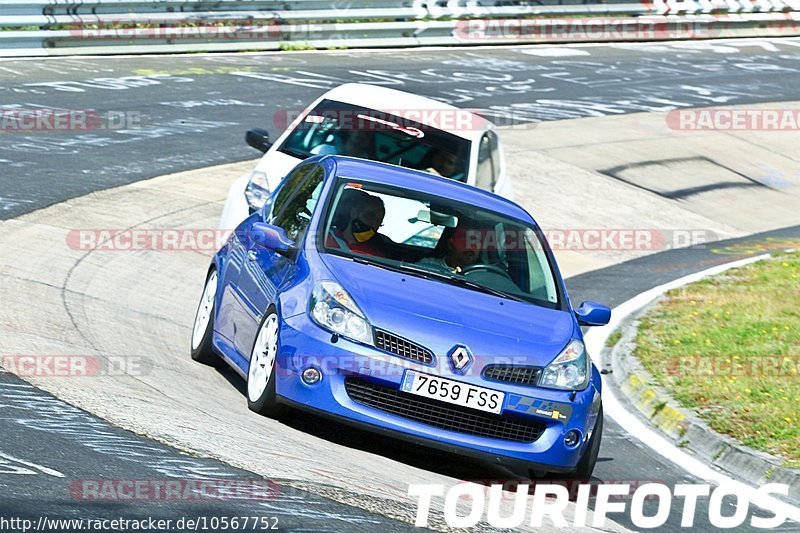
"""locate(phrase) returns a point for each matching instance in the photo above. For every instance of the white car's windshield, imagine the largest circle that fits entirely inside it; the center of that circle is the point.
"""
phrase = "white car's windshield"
(338, 128)
(441, 239)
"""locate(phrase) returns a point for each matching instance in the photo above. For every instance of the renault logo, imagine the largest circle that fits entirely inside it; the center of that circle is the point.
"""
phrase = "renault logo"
(460, 358)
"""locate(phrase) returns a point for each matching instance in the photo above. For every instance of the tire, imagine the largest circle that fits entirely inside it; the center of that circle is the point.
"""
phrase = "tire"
(203, 326)
(586, 465)
(261, 395)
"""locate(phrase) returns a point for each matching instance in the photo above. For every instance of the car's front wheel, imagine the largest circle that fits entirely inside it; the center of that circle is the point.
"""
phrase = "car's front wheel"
(261, 395)
(202, 351)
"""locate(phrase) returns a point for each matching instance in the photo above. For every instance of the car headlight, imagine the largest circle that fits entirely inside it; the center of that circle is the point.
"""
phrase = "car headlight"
(257, 191)
(333, 309)
(569, 371)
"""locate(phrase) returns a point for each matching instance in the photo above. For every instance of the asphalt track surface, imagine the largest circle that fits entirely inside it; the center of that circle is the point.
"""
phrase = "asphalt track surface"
(59, 462)
(189, 112)
(159, 115)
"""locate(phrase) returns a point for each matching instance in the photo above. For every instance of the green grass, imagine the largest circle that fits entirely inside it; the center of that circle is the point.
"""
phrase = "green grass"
(613, 339)
(729, 348)
(293, 46)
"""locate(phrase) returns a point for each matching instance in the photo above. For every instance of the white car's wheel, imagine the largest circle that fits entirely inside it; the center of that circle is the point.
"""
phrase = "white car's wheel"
(261, 396)
(202, 351)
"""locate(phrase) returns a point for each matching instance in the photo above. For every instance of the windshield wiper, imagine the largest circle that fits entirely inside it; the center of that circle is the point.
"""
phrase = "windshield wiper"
(295, 153)
(487, 290)
(458, 280)
(363, 261)
(430, 274)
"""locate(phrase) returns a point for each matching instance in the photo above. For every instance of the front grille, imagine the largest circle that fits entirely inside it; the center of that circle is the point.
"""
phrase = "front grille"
(399, 346)
(518, 375)
(440, 414)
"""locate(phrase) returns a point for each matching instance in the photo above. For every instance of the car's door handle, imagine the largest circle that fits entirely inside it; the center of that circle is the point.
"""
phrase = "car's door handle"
(251, 255)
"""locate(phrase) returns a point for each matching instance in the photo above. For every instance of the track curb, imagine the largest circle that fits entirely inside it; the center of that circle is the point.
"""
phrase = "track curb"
(681, 425)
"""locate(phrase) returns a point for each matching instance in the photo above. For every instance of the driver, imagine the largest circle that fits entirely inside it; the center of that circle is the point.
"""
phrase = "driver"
(461, 250)
(355, 227)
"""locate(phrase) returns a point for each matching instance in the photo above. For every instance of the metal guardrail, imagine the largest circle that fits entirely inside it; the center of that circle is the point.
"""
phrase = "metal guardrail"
(60, 27)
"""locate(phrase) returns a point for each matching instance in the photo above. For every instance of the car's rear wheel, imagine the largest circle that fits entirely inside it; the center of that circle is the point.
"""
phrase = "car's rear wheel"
(261, 395)
(202, 352)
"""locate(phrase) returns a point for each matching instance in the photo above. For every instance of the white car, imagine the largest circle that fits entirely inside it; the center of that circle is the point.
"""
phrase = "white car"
(380, 124)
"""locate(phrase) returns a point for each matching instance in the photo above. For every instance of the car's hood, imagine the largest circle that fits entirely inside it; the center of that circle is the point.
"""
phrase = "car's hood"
(438, 315)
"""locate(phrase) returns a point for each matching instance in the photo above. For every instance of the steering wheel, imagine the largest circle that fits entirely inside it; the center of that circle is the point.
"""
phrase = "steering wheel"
(487, 267)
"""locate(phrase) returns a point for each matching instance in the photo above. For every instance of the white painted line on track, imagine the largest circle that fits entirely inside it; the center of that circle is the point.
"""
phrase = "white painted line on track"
(595, 340)
(17, 385)
(555, 51)
(43, 469)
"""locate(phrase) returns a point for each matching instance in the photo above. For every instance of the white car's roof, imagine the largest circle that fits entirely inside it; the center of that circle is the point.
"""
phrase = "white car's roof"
(396, 102)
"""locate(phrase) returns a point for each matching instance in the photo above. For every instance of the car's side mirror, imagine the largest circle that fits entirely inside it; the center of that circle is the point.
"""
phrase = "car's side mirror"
(265, 210)
(593, 314)
(258, 139)
(273, 238)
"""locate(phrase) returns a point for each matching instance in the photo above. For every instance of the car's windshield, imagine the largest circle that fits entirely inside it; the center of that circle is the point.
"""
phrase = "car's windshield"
(439, 238)
(343, 129)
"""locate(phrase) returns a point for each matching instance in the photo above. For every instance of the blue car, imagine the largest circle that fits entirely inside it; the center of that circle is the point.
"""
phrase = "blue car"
(409, 304)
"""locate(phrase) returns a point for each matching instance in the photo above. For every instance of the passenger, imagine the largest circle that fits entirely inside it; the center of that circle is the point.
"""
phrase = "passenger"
(443, 163)
(355, 225)
(460, 251)
(357, 143)
(350, 142)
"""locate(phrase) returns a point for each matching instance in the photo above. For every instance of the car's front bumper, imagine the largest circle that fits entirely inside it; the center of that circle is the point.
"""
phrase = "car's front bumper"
(304, 344)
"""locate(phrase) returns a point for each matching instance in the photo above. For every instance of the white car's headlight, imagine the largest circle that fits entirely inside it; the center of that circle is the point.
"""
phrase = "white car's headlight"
(257, 191)
(333, 309)
(569, 371)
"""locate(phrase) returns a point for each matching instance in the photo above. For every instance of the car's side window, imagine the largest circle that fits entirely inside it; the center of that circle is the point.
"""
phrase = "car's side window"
(488, 162)
(541, 285)
(287, 188)
(297, 199)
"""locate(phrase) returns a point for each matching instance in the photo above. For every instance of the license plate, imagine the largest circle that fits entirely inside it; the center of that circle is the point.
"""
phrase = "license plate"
(455, 392)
